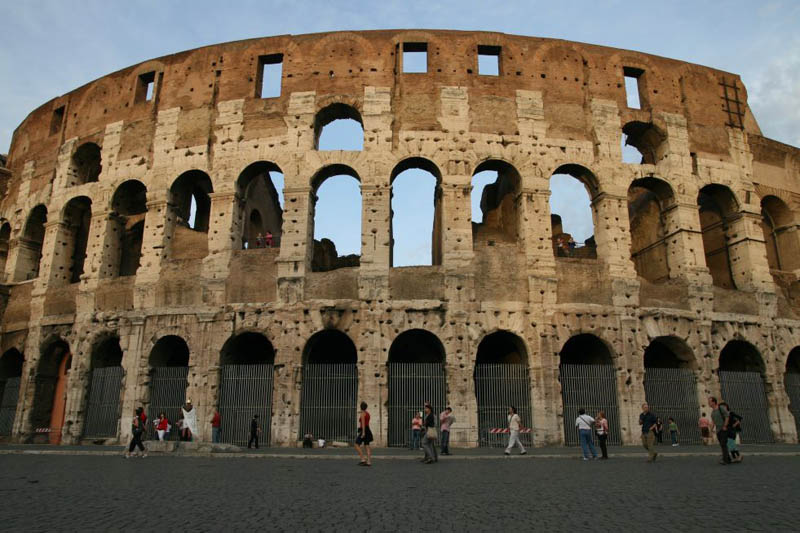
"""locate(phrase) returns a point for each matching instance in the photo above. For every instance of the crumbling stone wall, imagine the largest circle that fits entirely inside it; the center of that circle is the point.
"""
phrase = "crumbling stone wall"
(554, 107)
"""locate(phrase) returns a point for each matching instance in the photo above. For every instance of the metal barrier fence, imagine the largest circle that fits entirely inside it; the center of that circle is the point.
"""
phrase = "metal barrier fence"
(410, 385)
(167, 394)
(328, 402)
(744, 392)
(103, 405)
(245, 390)
(592, 387)
(792, 383)
(8, 405)
(497, 386)
(672, 392)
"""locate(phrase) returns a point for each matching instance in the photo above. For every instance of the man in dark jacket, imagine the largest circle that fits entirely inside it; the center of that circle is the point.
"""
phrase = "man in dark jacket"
(254, 431)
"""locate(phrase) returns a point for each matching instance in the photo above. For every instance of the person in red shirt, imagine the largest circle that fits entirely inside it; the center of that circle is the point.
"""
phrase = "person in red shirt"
(364, 437)
(162, 427)
(215, 420)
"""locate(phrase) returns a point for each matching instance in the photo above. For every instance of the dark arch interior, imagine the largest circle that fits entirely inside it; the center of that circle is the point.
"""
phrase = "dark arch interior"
(51, 359)
(130, 198)
(646, 138)
(740, 356)
(11, 364)
(107, 353)
(416, 346)
(86, 164)
(585, 349)
(501, 347)
(30, 245)
(668, 352)
(170, 351)
(247, 348)
(498, 199)
(77, 219)
(261, 208)
(793, 362)
(330, 346)
(192, 185)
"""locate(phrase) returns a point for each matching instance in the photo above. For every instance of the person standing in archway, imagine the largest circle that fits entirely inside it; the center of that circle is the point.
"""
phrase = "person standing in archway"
(254, 431)
(514, 425)
(720, 417)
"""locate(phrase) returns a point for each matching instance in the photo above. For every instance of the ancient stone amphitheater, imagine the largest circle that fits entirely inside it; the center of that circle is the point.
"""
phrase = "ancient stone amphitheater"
(135, 273)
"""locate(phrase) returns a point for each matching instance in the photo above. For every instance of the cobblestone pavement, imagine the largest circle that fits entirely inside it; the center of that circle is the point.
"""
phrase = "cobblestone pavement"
(49, 492)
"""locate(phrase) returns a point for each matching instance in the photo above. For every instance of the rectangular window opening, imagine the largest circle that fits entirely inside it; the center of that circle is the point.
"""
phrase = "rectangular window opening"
(632, 88)
(270, 72)
(489, 60)
(57, 120)
(415, 57)
(145, 87)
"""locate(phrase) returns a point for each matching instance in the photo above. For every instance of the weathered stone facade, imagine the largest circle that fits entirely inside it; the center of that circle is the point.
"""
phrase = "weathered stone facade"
(700, 274)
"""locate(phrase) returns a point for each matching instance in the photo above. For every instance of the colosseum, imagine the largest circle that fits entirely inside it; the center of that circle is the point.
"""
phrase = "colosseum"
(147, 257)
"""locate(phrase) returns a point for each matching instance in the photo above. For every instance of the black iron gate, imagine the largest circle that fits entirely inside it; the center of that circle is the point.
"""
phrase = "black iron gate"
(497, 386)
(102, 409)
(328, 402)
(167, 394)
(245, 390)
(410, 385)
(672, 392)
(744, 393)
(792, 383)
(594, 388)
(8, 405)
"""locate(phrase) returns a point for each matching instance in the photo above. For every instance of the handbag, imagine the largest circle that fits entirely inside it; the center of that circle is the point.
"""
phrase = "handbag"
(431, 433)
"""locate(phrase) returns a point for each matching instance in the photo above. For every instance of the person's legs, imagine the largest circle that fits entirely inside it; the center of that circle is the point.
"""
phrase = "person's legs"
(426, 446)
(446, 442)
(591, 443)
(603, 449)
(584, 438)
(215, 435)
(722, 437)
(648, 439)
(674, 436)
(357, 446)
(369, 453)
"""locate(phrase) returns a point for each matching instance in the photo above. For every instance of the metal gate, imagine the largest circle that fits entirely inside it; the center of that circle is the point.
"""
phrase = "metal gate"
(102, 410)
(245, 390)
(167, 394)
(410, 385)
(792, 383)
(328, 402)
(497, 386)
(672, 392)
(744, 393)
(593, 387)
(8, 405)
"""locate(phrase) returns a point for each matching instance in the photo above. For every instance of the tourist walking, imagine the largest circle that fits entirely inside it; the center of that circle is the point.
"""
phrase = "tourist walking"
(215, 423)
(601, 430)
(720, 417)
(189, 427)
(254, 431)
(416, 430)
(705, 429)
(446, 419)
(648, 422)
(673, 431)
(514, 425)
(162, 426)
(430, 436)
(734, 427)
(364, 437)
(137, 429)
(659, 431)
(584, 425)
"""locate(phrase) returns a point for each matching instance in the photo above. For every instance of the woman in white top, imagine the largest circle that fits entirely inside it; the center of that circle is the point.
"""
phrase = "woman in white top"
(584, 424)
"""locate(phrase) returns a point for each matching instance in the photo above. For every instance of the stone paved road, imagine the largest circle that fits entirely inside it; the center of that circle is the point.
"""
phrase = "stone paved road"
(45, 493)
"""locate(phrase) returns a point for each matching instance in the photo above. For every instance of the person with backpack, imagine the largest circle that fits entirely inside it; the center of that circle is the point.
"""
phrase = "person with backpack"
(514, 425)
(734, 427)
(720, 416)
(584, 425)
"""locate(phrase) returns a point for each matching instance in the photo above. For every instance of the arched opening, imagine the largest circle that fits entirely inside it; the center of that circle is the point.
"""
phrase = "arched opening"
(169, 371)
(416, 375)
(330, 387)
(717, 207)
(5, 237)
(77, 218)
(260, 187)
(495, 189)
(741, 379)
(338, 127)
(129, 206)
(29, 255)
(245, 387)
(792, 383)
(190, 200)
(501, 380)
(10, 374)
(780, 234)
(416, 216)
(85, 165)
(588, 381)
(104, 401)
(572, 189)
(50, 391)
(648, 202)
(642, 143)
(336, 214)
(670, 386)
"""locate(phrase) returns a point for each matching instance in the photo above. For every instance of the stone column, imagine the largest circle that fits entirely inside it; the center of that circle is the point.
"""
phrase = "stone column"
(748, 252)
(455, 234)
(373, 274)
(297, 243)
(535, 233)
(224, 222)
(158, 226)
(612, 235)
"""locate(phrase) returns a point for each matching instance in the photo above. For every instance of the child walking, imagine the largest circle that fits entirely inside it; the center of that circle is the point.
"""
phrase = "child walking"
(673, 431)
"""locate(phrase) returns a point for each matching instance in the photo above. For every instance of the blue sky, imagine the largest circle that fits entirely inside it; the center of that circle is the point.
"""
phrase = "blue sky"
(48, 48)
